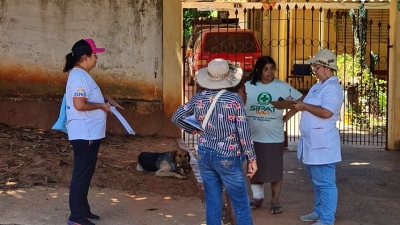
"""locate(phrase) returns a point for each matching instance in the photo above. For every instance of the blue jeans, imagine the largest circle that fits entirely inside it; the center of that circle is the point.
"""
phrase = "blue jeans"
(85, 158)
(325, 191)
(217, 171)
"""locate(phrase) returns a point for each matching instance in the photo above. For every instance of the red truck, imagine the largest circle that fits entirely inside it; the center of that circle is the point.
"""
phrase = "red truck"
(230, 42)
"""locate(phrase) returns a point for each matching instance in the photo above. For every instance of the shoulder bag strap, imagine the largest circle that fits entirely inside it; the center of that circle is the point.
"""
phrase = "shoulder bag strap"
(203, 125)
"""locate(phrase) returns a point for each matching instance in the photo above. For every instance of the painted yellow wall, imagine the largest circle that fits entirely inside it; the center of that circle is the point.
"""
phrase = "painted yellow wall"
(172, 63)
(302, 28)
(280, 53)
(326, 33)
(393, 140)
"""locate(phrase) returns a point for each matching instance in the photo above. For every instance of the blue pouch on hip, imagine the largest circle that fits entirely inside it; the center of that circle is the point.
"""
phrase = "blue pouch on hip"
(62, 118)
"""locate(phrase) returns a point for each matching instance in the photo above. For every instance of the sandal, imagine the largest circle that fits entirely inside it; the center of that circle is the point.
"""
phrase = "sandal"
(276, 209)
(256, 203)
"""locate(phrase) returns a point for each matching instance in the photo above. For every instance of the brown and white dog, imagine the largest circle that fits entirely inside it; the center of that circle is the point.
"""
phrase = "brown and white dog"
(165, 164)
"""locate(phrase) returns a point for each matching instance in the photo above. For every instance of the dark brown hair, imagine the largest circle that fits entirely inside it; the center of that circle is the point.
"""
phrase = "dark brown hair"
(258, 68)
(79, 49)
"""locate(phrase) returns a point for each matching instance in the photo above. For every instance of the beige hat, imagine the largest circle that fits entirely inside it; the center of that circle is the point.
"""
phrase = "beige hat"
(326, 58)
(218, 75)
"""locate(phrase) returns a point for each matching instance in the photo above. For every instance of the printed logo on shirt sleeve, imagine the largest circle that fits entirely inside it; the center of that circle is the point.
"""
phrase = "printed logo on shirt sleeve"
(80, 92)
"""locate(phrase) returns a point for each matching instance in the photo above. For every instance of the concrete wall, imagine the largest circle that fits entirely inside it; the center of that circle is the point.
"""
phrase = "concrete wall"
(35, 36)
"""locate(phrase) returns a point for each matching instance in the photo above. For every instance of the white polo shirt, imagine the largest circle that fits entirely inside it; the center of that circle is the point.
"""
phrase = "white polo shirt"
(86, 125)
(320, 139)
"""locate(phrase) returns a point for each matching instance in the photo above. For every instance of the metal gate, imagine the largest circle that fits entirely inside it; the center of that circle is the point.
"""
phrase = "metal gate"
(291, 34)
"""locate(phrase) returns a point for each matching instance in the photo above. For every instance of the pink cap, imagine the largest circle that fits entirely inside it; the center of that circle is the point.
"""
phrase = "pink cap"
(93, 46)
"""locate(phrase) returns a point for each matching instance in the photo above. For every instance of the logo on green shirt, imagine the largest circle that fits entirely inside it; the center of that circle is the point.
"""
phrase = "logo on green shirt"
(264, 98)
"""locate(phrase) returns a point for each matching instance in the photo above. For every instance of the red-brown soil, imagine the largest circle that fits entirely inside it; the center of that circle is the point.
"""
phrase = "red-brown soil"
(31, 157)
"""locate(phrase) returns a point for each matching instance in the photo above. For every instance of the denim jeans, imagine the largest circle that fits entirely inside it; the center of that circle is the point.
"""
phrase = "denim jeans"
(85, 158)
(217, 171)
(325, 191)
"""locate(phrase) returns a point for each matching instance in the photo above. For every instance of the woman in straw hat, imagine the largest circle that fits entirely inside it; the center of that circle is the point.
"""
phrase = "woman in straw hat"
(319, 145)
(224, 142)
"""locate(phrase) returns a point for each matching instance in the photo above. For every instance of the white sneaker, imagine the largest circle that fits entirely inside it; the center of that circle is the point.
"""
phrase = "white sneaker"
(310, 218)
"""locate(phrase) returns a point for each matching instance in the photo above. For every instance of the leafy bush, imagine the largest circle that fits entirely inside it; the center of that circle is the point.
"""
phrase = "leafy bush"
(366, 94)
(349, 70)
(188, 16)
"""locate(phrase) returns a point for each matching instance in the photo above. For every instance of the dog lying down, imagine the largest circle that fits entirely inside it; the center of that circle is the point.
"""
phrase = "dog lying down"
(165, 164)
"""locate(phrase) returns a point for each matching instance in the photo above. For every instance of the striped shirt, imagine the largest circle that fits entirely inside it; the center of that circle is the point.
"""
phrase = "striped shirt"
(227, 130)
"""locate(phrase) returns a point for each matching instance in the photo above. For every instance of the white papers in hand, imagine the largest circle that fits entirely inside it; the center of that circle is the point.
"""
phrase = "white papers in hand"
(122, 120)
(191, 120)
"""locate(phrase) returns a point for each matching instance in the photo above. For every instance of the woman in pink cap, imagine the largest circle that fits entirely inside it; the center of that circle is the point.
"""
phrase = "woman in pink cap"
(87, 110)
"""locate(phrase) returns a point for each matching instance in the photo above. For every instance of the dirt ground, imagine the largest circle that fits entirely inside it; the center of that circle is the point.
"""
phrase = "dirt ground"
(368, 180)
(34, 157)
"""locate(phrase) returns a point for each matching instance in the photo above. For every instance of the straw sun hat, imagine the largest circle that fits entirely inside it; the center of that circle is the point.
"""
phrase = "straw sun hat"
(218, 75)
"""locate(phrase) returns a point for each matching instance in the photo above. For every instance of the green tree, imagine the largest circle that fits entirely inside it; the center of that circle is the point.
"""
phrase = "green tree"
(188, 16)
(369, 84)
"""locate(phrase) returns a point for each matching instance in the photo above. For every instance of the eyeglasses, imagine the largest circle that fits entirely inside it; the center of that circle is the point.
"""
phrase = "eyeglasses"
(266, 69)
(315, 68)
